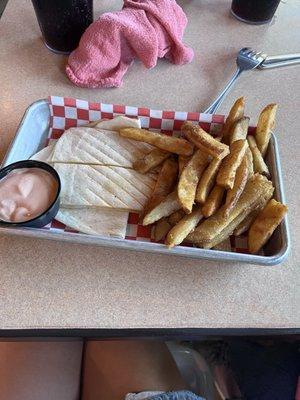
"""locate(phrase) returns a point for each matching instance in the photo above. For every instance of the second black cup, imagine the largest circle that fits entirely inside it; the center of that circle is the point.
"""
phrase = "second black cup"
(254, 11)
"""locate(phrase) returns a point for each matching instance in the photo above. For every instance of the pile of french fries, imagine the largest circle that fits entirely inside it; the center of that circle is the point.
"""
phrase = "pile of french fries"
(209, 188)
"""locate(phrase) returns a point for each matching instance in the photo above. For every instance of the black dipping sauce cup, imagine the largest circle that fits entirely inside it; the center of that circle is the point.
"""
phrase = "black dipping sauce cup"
(47, 216)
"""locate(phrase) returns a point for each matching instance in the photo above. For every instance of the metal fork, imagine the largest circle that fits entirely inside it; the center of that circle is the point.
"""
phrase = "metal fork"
(246, 59)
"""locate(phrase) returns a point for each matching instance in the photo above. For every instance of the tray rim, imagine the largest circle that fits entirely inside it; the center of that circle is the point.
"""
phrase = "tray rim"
(150, 247)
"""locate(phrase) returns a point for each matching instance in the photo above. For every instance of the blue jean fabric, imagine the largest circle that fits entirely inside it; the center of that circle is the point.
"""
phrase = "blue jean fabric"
(179, 395)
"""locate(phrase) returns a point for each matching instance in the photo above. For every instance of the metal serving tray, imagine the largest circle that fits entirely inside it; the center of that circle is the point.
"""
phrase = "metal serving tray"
(31, 136)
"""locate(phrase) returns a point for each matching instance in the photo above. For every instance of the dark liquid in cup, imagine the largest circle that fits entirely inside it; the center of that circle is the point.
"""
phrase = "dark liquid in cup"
(255, 11)
(62, 22)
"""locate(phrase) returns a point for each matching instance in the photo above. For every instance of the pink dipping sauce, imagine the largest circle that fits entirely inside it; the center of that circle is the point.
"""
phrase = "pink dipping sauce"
(26, 193)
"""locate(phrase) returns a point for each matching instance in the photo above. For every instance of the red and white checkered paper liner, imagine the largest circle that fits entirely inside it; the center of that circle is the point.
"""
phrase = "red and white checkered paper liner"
(68, 112)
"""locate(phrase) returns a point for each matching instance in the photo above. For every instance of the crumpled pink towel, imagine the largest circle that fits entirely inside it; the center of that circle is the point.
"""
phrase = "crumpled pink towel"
(144, 29)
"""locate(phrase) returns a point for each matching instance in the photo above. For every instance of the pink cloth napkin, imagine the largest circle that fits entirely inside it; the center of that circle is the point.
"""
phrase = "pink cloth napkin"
(144, 29)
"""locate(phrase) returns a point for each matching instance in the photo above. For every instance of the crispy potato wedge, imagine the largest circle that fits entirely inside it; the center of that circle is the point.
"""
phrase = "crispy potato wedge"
(185, 226)
(165, 183)
(240, 181)
(151, 160)
(223, 246)
(236, 112)
(214, 201)
(207, 180)
(223, 235)
(182, 161)
(240, 129)
(161, 229)
(250, 162)
(218, 227)
(165, 208)
(204, 141)
(259, 164)
(265, 224)
(246, 222)
(176, 217)
(230, 164)
(163, 142)
(265, 124)
(189, 179)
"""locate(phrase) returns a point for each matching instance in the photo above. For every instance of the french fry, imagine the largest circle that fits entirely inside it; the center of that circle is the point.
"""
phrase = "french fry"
(218, 227)
(223, 246)
(230, 164)
(182, 161)
(223, 235)
(250, 162)
(150, 160)
(161, 229)
(245, 224)
(247, 221)
(163, 142)
(214, 201)
(165, 208)
(204, 141)
(176, 217)
(189, 180)
(236, 112)
(165, 183)
(239, 129)
(265, 124)
(185, 226)
(207, 181)
(259, 164)
(240, 181)
(265, 224)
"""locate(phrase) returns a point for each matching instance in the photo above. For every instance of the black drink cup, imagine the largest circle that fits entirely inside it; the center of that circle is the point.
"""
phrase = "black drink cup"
(254, 11)
(62, 22)
(2, 6)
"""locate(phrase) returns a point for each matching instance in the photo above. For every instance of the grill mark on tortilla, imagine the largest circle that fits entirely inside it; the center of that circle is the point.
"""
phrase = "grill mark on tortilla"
(136, 174)
(135, 187)
(150, 175)
(104, 146)
(104, 155)
(113, 194)
(115, 175)
(109, 205)
(106, 191)
(90, 164)
(84, 140)
(105, 149)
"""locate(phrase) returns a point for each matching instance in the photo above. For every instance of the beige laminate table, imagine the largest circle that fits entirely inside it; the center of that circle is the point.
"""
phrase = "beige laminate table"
(45, 284)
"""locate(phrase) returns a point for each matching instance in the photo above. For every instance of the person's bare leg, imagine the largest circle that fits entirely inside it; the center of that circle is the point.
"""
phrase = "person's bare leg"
(40, 370)
(114, 368)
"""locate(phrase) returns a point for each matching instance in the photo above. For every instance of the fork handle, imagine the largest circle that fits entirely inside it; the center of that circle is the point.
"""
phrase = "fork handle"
(215, 105)
(282, 57)
(279, 64)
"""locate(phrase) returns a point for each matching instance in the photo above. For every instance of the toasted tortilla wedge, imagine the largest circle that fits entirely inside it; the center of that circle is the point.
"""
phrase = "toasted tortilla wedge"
(45, 154)
(103, 186)
(117, 123)
(85, 145)
(103, 222)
